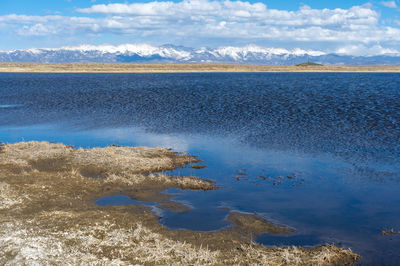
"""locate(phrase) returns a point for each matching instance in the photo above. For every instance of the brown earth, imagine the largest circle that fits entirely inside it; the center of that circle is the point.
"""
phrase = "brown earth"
(47, 214)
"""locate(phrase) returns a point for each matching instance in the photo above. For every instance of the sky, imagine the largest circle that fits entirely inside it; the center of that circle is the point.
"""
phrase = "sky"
(352, 27)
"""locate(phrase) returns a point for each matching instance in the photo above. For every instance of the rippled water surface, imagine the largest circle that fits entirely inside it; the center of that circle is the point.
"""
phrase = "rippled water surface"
(317, 152)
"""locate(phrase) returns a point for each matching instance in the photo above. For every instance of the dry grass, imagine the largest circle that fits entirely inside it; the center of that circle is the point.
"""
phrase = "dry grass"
(95, 244)
(178, 68)
(253, 254)
(115, 164)
(8, 196)
(108, 244)
(197, 166)
(47, 215)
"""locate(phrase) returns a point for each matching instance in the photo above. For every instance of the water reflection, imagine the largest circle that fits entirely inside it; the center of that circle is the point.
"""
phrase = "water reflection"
(354, 116)
(317, 152)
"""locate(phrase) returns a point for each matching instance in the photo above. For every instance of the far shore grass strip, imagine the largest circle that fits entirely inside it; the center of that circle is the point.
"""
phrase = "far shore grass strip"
(183, 68)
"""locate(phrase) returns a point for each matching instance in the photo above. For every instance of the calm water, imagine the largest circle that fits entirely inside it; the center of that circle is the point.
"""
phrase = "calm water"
(333, 138)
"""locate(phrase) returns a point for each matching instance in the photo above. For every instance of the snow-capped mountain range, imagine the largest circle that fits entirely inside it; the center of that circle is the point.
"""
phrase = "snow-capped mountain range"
(250, 54)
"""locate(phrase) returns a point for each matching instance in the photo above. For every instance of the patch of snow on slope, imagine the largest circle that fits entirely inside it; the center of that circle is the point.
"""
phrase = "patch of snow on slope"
(238, 53)
(143, 50)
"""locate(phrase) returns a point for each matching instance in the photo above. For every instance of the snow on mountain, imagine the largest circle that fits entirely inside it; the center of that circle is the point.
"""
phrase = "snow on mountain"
(250, 54)
(143, 50)
(242, 52)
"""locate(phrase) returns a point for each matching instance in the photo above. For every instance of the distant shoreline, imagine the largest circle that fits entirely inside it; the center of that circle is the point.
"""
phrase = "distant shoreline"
(181, 68)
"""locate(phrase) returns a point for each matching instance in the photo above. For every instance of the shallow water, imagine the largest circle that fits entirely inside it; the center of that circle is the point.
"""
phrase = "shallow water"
(317, 152)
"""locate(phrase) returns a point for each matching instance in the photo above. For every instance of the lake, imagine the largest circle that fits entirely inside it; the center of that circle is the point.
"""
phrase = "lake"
(318, 152)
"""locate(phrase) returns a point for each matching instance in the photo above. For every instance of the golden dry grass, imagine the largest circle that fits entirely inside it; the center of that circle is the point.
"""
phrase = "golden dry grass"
(47, 215)
(123, 165)
(179, 68)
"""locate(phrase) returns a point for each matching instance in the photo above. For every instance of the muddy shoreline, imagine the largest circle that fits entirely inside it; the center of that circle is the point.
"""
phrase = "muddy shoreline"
(48, 215)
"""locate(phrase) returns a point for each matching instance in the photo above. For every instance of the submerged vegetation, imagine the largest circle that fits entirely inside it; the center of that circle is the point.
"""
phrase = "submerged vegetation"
(47, 214)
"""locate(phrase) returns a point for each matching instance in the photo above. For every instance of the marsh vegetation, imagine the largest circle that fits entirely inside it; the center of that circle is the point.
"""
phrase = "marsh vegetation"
(48, 215)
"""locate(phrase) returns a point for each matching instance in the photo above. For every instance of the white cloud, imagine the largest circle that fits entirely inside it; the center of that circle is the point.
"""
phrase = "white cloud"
(362, 50)
(203, 20)
(390, 4)
(24, 25)
(238, 12)
(36, 30)
(24, 19)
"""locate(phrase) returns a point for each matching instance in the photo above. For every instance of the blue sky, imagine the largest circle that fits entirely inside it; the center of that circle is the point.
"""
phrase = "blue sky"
(352, 27)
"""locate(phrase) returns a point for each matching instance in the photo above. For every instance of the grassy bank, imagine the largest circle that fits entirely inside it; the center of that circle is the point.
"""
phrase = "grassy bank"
(47, 214)
(180, 68)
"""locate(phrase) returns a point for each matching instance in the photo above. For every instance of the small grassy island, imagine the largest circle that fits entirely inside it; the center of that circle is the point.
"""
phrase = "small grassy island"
(309, 63)
(48, 214)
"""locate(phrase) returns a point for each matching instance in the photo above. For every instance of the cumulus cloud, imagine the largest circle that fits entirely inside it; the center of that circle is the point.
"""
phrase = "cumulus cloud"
(362, 50)
(390, 4)
(239, 12)
(36, 30)
(206, 19)
(48, 25)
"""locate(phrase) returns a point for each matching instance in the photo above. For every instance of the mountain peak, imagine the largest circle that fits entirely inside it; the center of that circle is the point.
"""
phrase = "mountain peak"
(142, 52)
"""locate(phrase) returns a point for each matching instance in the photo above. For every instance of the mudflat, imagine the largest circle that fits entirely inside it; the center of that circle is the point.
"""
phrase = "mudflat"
(181, 68)
(48, 215)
